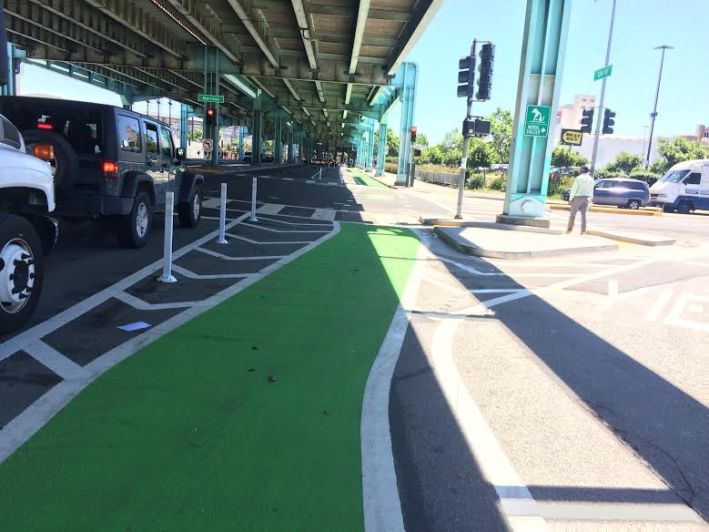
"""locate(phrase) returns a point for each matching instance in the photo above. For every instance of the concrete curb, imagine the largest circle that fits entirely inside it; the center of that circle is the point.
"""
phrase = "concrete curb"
(464, 246)
(645, 211)
(237, 170)
(393, 187)
(633, 238)
(445, 222)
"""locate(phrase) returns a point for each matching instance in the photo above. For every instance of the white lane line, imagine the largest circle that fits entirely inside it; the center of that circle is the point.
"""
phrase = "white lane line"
(211, 203)
(66, 368)
(475, 271)
(612, 297)
(227, 257)
(324, 214)
(250, 241)
(209, 276)
(40, 330)
(271, 229)
(674, 317)
(295, 223)
(654, 312)
(497, 290)
(382, 506)
(22, 427)
(270, 208)
(140, 304)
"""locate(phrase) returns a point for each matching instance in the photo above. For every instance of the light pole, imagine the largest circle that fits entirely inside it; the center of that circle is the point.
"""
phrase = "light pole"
(653, 115)
(599, 117)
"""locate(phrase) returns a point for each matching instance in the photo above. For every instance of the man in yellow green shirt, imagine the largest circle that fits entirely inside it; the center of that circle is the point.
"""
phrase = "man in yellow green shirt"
(580, 198)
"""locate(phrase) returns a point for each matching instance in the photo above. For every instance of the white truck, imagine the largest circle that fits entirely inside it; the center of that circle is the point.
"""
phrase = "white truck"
(684, 188)
(27, 230)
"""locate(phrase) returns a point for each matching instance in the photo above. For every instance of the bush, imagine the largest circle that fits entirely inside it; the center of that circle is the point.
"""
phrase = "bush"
(391, 168)
(645, 175)
(558, 183)
(475, 181)
(499, 183)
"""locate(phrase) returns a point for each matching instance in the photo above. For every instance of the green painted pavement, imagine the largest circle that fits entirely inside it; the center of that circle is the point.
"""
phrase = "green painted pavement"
(190, 434)
(364, 179)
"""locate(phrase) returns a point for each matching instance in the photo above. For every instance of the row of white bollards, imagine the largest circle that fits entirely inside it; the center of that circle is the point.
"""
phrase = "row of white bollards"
(167, 276)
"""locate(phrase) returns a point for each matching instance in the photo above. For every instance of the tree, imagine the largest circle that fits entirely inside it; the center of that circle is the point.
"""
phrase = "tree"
(392, 144)
(562, 156)
(422, 140)
(677, 150)
(624, 162)
(481, 154)
(195, 136)
(501, 132)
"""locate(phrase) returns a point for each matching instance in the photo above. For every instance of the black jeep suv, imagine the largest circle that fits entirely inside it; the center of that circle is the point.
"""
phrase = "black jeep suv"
(107, 161)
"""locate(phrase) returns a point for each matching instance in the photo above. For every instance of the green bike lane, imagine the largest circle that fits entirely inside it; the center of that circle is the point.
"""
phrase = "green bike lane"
(247, 417)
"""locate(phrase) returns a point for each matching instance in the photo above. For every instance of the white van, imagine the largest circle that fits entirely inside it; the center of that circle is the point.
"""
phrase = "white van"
(684, 188)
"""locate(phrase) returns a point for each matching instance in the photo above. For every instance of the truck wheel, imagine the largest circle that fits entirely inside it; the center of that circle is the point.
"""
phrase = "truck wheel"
(684, 207)
(133, 230)
(190, 211)
(21, 272)
(64, 162)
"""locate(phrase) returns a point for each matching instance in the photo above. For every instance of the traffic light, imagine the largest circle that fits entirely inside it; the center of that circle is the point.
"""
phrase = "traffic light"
(209, 115)
(608, 121)
(487, 58)
(587, 121)
(466, 74)
(413, 133)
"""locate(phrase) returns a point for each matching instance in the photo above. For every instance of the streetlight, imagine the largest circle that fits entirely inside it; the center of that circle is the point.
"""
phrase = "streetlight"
(653, 115)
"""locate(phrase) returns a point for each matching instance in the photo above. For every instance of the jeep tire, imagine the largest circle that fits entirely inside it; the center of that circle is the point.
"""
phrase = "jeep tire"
(65, 162)
(133, 229)
(21, 272)
(190, 211)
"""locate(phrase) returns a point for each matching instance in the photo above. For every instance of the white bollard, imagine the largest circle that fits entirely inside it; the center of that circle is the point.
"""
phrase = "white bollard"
(167, 276)
(222, 217)
(253, 200)
(320, 174)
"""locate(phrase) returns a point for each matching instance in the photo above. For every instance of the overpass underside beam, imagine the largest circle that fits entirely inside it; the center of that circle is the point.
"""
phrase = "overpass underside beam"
(543, 49)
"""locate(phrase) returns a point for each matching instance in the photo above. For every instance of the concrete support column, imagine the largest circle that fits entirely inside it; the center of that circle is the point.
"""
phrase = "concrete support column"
(256, 130)
(291, 158)
(407, 79)
(242, 133)
(278, 136)
(543, 49)
(369, 162)
(382, 149)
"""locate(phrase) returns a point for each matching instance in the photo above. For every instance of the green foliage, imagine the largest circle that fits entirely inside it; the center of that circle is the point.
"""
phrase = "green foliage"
(558, 182)
(677, 150)
(392, 144)
(645, 175)
(481, 154)
(499, 183)
(501, 133)
(624, 163)
(564, 157)
(195, 135)
(475, 181)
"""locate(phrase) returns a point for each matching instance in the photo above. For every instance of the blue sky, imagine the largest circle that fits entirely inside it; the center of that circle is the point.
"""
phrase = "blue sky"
(640, 26)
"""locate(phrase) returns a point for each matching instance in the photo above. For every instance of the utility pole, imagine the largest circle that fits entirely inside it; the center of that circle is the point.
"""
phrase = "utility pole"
(653, 115)
(603, 94)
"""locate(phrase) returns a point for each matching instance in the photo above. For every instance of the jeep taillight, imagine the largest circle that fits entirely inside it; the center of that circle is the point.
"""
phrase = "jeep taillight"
(110, 170)
(43, 151)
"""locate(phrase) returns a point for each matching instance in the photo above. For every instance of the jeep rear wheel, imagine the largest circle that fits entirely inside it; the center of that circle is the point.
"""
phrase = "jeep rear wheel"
(62, 157)
(133, 230)
(21, 272)
(190, 211)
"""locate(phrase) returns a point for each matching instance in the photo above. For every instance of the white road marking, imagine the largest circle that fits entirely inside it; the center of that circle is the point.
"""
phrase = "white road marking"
(264, 228)
(674, 317)
(618, 511)
(324, 214)
(211, 203)
(192, 275)
(66, 368)
(250, 241)
(612, 298)
(227, 257)
(270, 208)
(654, 312)
(136, 302)
(22, 427)
(382, 506)
(497, 290)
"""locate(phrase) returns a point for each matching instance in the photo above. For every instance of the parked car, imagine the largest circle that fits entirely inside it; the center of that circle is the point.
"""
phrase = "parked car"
(27, 230)
(107, 162)
(618, 191)
(684, 188)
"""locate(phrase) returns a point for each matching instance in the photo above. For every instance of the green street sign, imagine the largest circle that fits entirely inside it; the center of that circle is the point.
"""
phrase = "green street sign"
(210, 98)
(537, 122)
(602, 72)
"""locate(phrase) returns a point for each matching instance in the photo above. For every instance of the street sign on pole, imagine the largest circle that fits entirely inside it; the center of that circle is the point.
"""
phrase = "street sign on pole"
(603, 72)
(210, 98)
(537, 121)
(571, 137)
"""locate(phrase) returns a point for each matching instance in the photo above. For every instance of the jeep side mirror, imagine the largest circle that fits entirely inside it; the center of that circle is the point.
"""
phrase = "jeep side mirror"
(179, 154)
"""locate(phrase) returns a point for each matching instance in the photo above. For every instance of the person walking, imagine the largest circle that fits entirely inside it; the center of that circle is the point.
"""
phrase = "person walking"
(580, 198)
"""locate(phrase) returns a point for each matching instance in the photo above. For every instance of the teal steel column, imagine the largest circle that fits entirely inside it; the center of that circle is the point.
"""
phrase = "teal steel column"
(543, 48)
(381, 149)
(291, 159)
(277, 136)
(369, 163)
(256, 130)
(242, 132)
(407, 74)
(184, 117)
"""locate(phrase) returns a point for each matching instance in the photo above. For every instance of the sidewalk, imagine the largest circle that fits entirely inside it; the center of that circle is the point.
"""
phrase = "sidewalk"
(247, 417)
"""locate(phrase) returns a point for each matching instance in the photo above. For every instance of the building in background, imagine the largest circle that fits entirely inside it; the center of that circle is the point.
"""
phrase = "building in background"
(569, 115)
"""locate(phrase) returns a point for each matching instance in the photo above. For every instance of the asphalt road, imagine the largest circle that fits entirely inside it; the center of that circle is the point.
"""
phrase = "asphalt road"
(556, 400)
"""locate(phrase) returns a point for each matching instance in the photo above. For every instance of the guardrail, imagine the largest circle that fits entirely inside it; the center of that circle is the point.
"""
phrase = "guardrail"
(438, 178)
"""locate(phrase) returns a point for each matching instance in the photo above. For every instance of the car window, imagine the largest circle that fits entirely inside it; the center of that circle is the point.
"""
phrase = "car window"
(166, 143)
(674, 176)
(9, 134)
(636, 186)
(151, 138)
(604, 184)
(693, 179)
(129, 134)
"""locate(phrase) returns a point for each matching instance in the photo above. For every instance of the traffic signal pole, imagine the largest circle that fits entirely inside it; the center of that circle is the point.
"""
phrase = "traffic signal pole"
(603, 94)
(466, 137)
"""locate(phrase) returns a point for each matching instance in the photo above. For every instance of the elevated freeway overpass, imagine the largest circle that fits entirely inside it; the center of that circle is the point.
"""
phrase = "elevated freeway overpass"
(319, 74)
